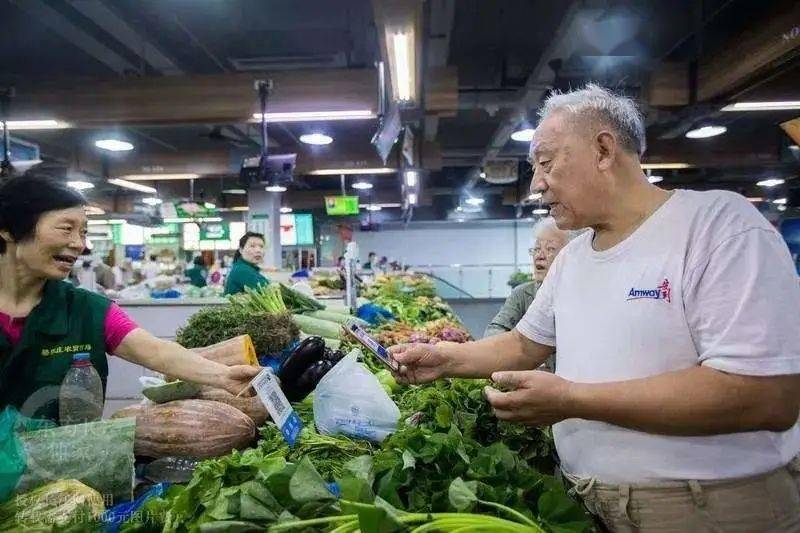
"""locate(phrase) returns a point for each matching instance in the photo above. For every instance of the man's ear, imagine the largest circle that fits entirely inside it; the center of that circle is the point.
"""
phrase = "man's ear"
(606, 146)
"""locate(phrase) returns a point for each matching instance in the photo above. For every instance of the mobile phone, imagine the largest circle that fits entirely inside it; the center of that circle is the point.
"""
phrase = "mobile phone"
(371, 344)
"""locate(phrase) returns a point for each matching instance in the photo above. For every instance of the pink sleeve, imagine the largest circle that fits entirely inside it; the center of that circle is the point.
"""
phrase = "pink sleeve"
(117, 325)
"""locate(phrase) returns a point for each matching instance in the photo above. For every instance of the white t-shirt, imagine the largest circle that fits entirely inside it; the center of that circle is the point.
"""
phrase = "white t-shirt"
(705, 280)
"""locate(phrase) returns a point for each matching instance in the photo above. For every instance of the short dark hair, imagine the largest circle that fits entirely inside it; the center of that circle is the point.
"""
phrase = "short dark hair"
(243, 242)
(24, 199)
(153, 257)
(199, 261)
(371, 254)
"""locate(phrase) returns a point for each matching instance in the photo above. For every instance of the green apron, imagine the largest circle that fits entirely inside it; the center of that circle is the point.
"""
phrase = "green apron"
(243, 274)
(197, 276)
(66, 321)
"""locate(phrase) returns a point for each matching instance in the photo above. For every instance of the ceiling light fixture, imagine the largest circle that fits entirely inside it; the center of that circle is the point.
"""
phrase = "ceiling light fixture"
(411, 178)
(310, 116)
(209, 205)
(772, 182)
(131, 185)
(114, 145)
(474, 201)
(483, 174)
(151, 200)
(286, 210)
(275, 188)
(665, 166)
(781, 208)
(351, 171)
(459, 209)
(105, 222)
(316, 139)
(524, 135)
(706, 132)
(535, 196)
(754, 199)
(362, 185)
(412, 198)
(384, 206)
(234, 191)
(240, 208)
(374, 207)
(80, 185)
(92, 210)
(655, 179)
(779, 201)
(160, 177)
(540, 211)
(403, 65)
(35, 125)
(763, 106)
(182, 220)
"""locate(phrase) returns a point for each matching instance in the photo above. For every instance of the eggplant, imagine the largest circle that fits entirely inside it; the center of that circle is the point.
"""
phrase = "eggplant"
(309, 380)
(307, 353)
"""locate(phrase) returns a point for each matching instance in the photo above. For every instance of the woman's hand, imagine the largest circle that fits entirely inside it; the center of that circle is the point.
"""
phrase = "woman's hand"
(237, 378)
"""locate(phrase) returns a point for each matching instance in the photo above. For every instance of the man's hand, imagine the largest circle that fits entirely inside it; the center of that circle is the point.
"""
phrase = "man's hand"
(419, 363)
(237, 378)
(536, 398)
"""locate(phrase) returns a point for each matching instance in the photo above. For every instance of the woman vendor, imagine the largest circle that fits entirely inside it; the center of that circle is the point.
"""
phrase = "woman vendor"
(44, 321)
(244, 272)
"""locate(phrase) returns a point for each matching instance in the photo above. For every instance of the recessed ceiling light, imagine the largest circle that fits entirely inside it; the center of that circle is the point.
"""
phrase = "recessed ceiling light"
(80, 185)
(772, 182)
(114, 145)
(234, 191)
(362, 185)
(779, 201)
(459, 209)
(209, 205)
(275, 188)
(412, 198)
(483, 174)
(411, 178)
(781, 208)
(286, 210)
(474, 201)
(316, 139)
(540, 211)
(152, 201)
(762, 106)
(534, 196)
(706, 132)
(374, 208)
(655, 179)
(131, 185)
(523, 135)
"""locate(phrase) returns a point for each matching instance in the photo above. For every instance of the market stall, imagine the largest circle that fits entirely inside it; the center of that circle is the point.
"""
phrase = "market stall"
(368, 454)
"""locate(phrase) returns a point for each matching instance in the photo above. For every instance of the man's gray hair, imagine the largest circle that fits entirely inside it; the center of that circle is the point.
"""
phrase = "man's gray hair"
(619, 113)
(546, 223)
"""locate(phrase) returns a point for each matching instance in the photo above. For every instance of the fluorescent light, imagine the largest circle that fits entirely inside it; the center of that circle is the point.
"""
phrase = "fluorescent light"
(241, 208)
(540, 211)
(35, 125)
(362, 185)
(524, 135)
(779, 201)
(781, 208)
(706, 132)
(754, 199)
(665, 166)
(762, 106)
(382, 206)
(772, 182)
(412, 198)
(655, 179)
(80, 185)
(105, 222)
(474, 201)
(351, 171)
(234, 191)
(180, 220)
(308, 116)
(374, 208)
(402, 66)
(316, 139)
(483, 174)
(152, 201)
(160, 177)
(131, 185)
(534, 196)
(209, 205)
(286, 209)
(411, 178)
(94, 211)
(459, 209)
(114, 145)
(275, 188)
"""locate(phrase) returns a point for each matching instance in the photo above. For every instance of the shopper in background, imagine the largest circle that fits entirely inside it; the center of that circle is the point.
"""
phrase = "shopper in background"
(198, 273)
(677, 321)
(150, 269)
(548, 240)
(245, 271)
(104, 274)
(123, 274)
(44, 321)
(84, 272)
(370, 264)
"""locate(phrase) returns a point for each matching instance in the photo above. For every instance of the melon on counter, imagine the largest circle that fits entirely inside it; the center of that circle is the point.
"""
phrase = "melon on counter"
(251, 406)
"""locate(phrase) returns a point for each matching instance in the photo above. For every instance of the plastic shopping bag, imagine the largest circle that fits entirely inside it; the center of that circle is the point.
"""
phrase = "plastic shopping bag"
(350, 400)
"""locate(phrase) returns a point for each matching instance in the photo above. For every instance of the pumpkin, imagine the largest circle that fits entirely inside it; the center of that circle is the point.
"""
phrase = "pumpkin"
(189, 428)
(251, 406)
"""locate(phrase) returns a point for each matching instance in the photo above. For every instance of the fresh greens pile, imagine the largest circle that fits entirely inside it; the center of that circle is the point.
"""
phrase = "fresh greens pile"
(263, 299)
(270, 333)
(298, 302)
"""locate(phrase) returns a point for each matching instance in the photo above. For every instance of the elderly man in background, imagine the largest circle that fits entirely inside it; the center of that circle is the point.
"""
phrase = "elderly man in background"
(677, 320)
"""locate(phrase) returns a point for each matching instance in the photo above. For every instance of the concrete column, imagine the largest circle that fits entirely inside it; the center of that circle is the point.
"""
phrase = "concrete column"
(264, 217)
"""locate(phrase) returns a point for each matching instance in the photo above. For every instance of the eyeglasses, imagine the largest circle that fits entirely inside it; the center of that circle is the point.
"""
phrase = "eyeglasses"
(548, 250)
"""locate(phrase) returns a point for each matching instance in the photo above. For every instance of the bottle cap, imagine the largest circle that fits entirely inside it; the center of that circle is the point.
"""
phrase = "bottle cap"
(80, 358)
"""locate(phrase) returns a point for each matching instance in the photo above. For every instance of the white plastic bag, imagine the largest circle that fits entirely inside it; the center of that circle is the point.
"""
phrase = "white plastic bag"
(350, 400)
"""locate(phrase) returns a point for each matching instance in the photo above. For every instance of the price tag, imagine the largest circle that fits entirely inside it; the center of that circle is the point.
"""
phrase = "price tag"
(269, 392)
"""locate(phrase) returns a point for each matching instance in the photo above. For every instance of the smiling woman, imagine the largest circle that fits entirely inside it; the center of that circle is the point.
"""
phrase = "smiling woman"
(43, 319)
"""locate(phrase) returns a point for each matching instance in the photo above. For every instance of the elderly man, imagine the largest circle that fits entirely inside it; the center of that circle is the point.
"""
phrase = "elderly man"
(677, 320)
(548, 240)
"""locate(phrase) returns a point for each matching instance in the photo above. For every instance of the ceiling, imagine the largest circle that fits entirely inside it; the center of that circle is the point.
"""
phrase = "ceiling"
(175, 78)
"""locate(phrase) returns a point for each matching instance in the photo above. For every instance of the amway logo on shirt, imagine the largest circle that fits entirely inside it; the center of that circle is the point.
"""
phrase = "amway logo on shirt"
(661, 292)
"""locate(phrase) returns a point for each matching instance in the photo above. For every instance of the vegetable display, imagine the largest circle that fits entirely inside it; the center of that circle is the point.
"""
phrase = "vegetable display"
(60, 503)
(439, 330)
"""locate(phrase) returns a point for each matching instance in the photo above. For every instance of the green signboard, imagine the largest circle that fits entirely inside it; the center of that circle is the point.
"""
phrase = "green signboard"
(304, 227)
(341, 205)
(164, 234)
(193, 210)
(215, 231)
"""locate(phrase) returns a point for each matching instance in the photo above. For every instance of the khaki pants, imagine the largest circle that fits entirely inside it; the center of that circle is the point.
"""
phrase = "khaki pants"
(765, 503)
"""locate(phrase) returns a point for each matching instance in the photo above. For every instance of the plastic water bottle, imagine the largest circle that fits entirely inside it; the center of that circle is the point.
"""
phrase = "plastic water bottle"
(81, 396)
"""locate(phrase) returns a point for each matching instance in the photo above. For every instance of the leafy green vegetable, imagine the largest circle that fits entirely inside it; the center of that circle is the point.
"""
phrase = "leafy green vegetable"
(264, 299)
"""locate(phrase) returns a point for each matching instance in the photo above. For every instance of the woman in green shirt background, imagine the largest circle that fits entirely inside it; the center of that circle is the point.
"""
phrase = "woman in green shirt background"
(198, 273)
(245, 272)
